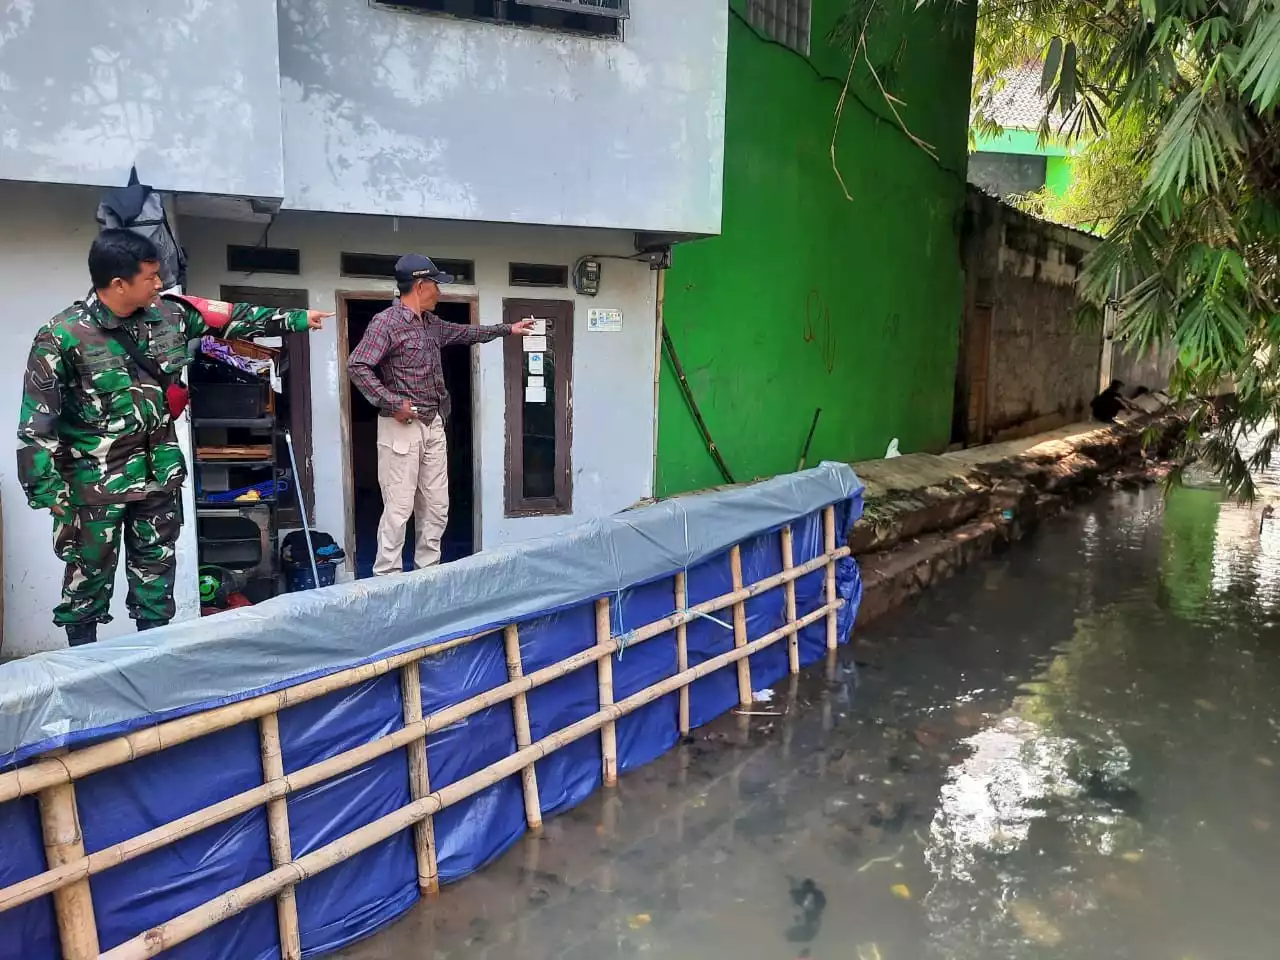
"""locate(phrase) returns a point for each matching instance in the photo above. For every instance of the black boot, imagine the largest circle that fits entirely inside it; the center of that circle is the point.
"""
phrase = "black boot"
(79, 634)
(144, 625)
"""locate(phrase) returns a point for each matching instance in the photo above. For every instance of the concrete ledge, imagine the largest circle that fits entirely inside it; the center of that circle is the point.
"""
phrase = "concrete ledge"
(927, 516)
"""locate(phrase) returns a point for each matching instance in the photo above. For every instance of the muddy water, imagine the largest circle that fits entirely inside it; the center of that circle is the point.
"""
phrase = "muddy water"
(1072, 750)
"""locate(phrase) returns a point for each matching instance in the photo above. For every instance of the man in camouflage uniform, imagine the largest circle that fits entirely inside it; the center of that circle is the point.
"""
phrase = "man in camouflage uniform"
(97, 445)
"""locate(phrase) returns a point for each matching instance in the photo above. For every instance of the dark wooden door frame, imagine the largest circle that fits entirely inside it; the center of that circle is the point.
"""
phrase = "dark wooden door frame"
(514, 501)
(342, 298)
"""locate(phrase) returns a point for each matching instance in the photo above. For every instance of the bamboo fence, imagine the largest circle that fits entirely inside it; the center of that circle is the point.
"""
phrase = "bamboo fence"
(52, 779)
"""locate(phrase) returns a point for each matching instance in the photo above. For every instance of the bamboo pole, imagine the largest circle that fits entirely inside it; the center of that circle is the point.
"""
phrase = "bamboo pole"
(829, 537)
(89, 760)
(42, 774)
(740, 628)
(424, 831)
(112, 753)
(524, 738)
(682, 648)
(789, 589)
(609, 734)
(64, 842)
(193, 823)
(167, 935)
(278, 836)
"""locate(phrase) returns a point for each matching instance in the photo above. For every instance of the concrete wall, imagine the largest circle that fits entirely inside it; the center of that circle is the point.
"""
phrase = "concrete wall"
(383, 111)
(1028, 363)
(397, 112)
(1150, 369)
(613, 372)
(810, 300)
(189, 90)
(42, 271)
(1008, 174)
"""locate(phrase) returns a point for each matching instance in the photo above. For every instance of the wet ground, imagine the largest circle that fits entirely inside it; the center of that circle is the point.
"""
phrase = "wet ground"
(1071, 750)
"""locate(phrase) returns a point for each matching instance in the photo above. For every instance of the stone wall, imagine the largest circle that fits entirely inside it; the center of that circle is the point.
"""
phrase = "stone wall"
(1027, 363)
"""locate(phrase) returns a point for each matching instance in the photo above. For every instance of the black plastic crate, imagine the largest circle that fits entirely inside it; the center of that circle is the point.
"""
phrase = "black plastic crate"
(232, 542)
(230, 401)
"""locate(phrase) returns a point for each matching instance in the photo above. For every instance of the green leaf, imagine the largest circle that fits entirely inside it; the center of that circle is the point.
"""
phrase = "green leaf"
(1052, 62)
(1197, 143)
(1260, 60)
(1068, 85)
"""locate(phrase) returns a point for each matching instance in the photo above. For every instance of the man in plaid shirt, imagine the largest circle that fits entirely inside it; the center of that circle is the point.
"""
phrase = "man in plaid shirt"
(397, 367)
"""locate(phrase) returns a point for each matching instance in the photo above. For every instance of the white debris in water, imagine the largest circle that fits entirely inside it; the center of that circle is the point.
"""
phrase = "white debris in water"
(762, 696)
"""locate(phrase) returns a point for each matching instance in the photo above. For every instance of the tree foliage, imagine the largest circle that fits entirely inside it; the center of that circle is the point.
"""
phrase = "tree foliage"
(1107, 173)
(1179, 98)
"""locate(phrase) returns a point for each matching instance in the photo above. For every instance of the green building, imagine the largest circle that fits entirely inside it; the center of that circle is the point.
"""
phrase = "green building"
(1016, 163)
(809, 300)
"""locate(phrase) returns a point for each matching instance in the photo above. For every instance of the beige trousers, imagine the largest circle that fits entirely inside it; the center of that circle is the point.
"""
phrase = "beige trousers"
(413, 471)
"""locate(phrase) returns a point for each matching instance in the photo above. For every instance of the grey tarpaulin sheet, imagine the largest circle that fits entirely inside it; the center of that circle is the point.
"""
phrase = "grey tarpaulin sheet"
(68, 696)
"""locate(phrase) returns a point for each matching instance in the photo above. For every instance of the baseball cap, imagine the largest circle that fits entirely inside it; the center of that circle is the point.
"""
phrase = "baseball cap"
(414, 266)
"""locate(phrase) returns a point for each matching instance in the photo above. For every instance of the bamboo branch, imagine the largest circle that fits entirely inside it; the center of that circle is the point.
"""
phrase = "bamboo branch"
(745, 695)
(278, 836)
(682, 649)
(78, 764)
(424, 832)
(520, 712)
(609, 734)
(167, 935)
(789, 589)
(63, 843)
(77, 869)
(829, 536)
(74, 869)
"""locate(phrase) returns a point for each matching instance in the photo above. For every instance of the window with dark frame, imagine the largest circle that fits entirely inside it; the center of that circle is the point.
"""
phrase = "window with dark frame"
(539, 389)
(789, 22)
(382, 266)
(537, 275)
(245, 259)
(596, 18)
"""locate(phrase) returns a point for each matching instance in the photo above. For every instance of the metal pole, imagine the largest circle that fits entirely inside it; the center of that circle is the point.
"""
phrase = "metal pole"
(302, 508)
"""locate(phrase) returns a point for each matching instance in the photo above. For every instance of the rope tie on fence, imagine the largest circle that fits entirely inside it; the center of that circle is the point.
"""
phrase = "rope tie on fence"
(624, 635)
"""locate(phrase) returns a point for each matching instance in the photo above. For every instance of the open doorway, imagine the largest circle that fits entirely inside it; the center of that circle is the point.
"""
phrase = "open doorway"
(364, 497)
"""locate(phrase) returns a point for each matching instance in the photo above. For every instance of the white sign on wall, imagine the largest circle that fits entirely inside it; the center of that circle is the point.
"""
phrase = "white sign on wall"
(604, 320)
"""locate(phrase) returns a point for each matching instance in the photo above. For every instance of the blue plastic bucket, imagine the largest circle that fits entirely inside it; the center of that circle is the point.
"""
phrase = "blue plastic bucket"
(300, 578)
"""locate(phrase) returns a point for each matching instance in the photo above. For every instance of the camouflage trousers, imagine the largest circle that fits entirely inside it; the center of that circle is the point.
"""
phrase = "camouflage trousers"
(87, 540)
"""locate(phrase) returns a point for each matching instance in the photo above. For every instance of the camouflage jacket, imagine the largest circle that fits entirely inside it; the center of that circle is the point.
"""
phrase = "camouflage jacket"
(95, 429)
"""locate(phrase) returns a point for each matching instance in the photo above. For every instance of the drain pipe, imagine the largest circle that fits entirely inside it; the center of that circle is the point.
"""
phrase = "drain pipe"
(660, 290)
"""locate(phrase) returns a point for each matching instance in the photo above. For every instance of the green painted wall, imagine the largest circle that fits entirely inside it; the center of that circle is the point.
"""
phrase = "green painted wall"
(808, 299)
(1058, 174)
(1059, 158)
(1025, 142)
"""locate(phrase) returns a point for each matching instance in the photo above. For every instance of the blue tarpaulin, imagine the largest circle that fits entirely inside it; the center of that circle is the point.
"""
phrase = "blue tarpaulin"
(548, 586)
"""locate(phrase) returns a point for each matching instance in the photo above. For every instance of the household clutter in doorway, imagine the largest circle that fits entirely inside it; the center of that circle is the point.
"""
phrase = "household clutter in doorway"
(242, 474)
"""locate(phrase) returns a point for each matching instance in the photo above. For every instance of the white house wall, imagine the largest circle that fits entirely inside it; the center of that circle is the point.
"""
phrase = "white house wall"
(390, 111)
(612, 452)
(189, 90)
(42, 271)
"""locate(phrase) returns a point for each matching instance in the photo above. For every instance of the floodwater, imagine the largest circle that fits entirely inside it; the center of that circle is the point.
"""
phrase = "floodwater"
(1070, 751)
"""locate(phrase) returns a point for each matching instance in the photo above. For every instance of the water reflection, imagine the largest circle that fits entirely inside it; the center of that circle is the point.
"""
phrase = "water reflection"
(1070, 751)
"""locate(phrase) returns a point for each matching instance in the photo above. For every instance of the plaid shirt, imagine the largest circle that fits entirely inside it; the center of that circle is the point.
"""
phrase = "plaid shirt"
(398, 359)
